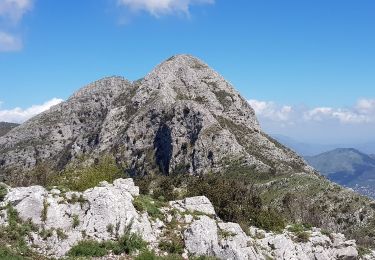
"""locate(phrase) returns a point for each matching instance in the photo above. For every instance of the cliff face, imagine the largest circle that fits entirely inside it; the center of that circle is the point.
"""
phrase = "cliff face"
(182, 117)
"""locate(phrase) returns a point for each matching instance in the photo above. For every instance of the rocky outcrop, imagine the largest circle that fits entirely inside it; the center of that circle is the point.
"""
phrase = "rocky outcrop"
(101, 212)
(87, 215)
(182, 117)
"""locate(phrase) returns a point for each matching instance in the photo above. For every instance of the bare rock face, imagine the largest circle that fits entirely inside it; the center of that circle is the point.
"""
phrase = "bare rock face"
(182, 117)
(80, 216)
(102, 214)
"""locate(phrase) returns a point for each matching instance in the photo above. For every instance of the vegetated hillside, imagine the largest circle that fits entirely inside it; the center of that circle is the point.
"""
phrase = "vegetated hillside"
(348, 167)
(182, 127)
(6, 127)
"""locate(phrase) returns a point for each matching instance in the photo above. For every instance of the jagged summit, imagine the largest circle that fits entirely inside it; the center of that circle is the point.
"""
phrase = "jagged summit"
(182, 115)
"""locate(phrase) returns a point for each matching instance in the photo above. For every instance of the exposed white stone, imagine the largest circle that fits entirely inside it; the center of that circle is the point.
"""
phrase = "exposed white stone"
(201, 237)
(104, 211)
(199, 204)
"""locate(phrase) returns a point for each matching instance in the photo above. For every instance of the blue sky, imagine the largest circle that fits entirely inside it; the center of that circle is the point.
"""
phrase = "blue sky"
(304, 55)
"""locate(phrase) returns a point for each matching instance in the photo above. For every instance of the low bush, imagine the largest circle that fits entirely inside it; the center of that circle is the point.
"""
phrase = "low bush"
(81, 178)
(7, 254)
(3, 192)
(88, 248)
(145, 203)
(129, 243)
(301, 232)
(232, 194)
(174, 246)
(14, 235)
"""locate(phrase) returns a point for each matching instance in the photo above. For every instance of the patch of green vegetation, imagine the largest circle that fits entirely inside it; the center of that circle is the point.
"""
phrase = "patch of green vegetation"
(14, 235)
(44, 212)
(88, 248)
(226, 234)
(110, 229)
(6, 253)
(325, 232)
(81, 178)
(231, 194)
(3, 192)
(362, 251)
(173, 246)
(61, 234)
(128, 243)
(145, 203)
(76, 221)
(46, 233)
(75, 199)
(301, 232)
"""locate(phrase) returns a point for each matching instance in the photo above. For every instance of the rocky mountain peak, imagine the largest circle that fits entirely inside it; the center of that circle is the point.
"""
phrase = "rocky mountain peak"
(183, 116)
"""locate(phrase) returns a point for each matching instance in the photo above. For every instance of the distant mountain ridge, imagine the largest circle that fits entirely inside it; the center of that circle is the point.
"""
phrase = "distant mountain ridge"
(311, 149)
(348, 167)
(5, 127)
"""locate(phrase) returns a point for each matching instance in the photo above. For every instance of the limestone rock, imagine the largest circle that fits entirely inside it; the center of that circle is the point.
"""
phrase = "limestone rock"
(199, 204)
(201, 238)
(103, 212)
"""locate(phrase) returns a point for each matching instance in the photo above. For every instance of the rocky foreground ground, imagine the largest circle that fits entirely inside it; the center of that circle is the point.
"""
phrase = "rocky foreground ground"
(63, 218)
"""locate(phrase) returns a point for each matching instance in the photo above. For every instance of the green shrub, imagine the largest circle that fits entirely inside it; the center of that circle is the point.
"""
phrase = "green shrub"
(129, 243)
(46, 233)
(75, 221)
(88, 248)
(3, 192)
(61, 234)
(301, 232)
(175, 246)
(362, 251)
(81, 178)
(145, 203)
(7, 254)
(14, 234)
(231, 193)
(44, 210)
(303, 236)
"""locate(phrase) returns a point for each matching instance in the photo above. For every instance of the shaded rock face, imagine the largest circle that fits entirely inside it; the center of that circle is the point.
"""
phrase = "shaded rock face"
(193, 220)
(182, 117)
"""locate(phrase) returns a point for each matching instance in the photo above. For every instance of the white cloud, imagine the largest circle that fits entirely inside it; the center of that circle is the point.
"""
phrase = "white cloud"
(11, 13)
(9, 42)
(14, 10)
(161, 7)
(271, 110)
(19, 115)
(362, 112)
(320, 124)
